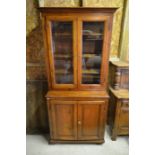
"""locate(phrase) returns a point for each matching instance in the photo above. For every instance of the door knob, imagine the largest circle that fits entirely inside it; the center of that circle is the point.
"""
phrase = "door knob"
(79, 122)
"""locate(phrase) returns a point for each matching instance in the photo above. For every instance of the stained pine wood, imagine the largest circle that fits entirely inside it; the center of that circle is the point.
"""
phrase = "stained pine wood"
(77, 16)
(118, 115)
(119, 75)
(77, 112)
(51, 55)
(63, 116)
(105, 50)
(62, 10)
(77, 120)
(91, 119)
(118, 112)
(77, 94)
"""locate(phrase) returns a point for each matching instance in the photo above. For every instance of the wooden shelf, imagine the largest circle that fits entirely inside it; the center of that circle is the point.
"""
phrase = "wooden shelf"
(62, 71)
(99, 34)
(90, 76)
(90, 55)
(62, 34)
(62, 56)
(90, 71)
(92, 39)
(69, 56)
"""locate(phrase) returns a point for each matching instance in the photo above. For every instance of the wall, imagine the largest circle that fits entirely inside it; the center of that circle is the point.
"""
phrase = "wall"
(36, 75)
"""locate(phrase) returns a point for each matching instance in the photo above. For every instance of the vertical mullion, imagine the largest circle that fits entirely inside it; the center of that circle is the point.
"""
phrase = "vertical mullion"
(74, 31)
(79, 52)
(102, 71)
(51, 56)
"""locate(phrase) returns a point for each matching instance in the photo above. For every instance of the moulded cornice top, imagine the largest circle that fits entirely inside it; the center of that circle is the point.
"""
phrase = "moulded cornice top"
(77, 9)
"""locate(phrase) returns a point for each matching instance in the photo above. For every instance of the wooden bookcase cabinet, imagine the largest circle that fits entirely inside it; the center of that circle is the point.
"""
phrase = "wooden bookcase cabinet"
(118, 111)
(77, 43)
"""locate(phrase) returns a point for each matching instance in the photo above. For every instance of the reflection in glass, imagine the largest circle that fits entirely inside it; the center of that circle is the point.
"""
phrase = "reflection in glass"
(92, 52)
(63, 52)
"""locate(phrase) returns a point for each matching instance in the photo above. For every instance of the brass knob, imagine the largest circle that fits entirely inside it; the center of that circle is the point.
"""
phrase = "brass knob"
(79, 122)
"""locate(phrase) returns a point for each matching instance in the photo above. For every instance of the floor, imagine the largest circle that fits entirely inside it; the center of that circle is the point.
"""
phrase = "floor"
(38, 145)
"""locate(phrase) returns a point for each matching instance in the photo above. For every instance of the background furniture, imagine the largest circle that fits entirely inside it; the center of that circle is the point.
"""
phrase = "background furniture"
(77, 43)
(118, 113)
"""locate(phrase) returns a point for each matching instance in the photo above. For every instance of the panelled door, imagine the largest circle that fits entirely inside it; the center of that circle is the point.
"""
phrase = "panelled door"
(77, 120)
(62, 54)
(124, 117)
(63, 117)
(91, 116)
(93, 35)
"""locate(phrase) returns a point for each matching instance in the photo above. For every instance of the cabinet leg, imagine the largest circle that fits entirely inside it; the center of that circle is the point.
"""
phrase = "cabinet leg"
(114, 135)
(113, 138)
(101, 142)
(52, 142)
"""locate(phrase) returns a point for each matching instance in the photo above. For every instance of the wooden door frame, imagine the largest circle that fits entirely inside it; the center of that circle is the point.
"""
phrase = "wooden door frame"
(50, 55)
(107, 19)
(102, 119)
(52, 111)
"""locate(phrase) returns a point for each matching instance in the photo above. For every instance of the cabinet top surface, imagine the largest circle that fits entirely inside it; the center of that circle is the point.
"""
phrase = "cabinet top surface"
(77, 9)
(120, 63)
(81, 94)
(120, 94)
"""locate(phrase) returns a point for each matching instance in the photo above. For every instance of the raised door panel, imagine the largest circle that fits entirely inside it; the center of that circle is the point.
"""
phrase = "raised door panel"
(124, 117)
(62, 54)
(93, 49)
(64, 118)
(91, 119)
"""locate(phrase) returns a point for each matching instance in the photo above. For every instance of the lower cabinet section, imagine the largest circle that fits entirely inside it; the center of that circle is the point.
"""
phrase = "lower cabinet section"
(77, 120)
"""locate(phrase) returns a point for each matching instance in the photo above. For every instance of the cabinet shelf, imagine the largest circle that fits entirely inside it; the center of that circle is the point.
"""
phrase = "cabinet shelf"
(87, 71)
(91, 71)
(92, 39)
(92, 35)
(89, 55)
(69, 56)
(62, 56)
(63, 71)
(62, 34)
(90, 76)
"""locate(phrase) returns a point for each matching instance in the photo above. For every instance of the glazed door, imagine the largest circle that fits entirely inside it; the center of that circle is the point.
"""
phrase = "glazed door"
(64, 120)
(91, 115)
(62, 40)
(93, 51)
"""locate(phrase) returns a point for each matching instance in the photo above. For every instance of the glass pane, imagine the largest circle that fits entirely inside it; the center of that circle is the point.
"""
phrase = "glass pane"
(92, 52)
(63, 52)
